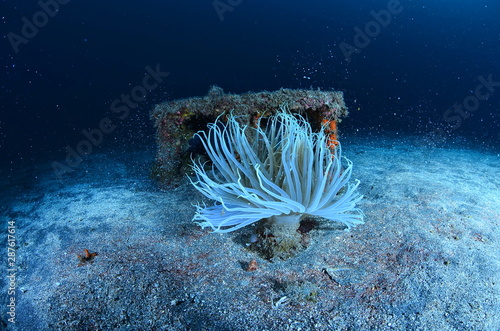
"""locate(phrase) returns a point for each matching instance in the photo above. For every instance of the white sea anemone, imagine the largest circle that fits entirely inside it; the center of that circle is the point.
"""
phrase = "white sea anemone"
(283, 172)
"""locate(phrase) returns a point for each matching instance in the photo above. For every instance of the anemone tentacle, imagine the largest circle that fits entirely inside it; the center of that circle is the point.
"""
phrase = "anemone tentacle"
(284, 169)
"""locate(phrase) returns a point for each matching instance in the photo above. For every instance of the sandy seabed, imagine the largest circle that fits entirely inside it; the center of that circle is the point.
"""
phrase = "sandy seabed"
(427, 257)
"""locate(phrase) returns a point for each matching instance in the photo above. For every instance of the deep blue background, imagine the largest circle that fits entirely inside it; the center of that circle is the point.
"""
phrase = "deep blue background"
(64, 80)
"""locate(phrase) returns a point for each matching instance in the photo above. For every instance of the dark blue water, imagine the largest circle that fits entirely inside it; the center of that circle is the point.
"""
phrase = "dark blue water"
(405, 70)
(422, 83)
